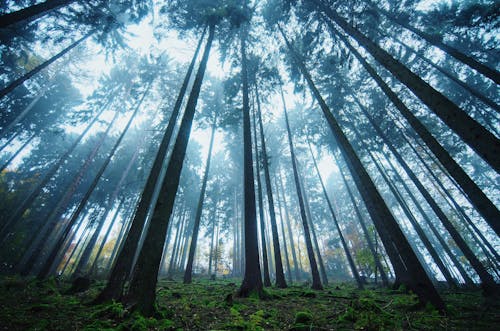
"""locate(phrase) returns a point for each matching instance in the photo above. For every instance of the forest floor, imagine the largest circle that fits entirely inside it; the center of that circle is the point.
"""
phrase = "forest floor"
(210, 305)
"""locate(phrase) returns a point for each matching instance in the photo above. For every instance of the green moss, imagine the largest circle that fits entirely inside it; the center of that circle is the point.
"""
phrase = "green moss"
(303, 317)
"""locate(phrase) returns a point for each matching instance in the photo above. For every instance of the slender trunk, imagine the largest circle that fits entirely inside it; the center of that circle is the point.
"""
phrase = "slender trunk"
(93, 265)
(121, 269)
(31, 13)
(211, 252)
(119, 238)
(40, 237)
(144, 278)
(450, 76)
(347, 251)
(23, 113)
(373, 248)
(289, 228)
(16, 153)
(283, 235)
(176, 245)
(216, 260)
(477, 197)
(476, 136)
(107, 208)
(199, 209)
(453, 202)
(11, 86)
(316, 281)
(280, 276)
(395, 242)
(26, 203)
(322, 269)
(252, 279)
(265, 260)
(44, 272)
(436, 41)
(487, 280)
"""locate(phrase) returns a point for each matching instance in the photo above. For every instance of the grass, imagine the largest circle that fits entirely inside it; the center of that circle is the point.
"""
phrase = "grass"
(210, 305)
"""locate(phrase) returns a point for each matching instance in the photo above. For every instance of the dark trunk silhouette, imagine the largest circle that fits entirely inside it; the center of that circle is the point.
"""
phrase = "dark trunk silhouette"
(395, 243)
(252, 280)
(314, 238)
(477, 197)
(280, 275)
(371, 246)
(316, 281)
(11, 86)
(436, 41)
(49, 262)
(476, 136)
(283, 235)
(31, 13)
(123, 265)
(142, 286)
(289, 228)
(263, 240)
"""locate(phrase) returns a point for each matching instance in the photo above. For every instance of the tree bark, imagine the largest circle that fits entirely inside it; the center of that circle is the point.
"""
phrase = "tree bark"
(252, 280)
(289, 228)
(283, 235)
(314, 238)
(371, 246)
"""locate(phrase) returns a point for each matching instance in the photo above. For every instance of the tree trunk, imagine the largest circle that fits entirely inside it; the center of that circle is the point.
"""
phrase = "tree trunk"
(11, 86)
(322, 269)
(450, 76)
(44, 272)
(280, 275)
(414, 276)
(93, 265)
(26, 203)
(477, 197)
(290, 234)
(252, 279)
(371, 246)
(283, 235)
(316, 281)
(265, 260)
(41, 236)
(199, 209)
(144, 278)
(347, 251)
(16, 153)
(121, 269)
(465, 59)
(476, 136)
(31, 13)
(80, 269)
(488, 282)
